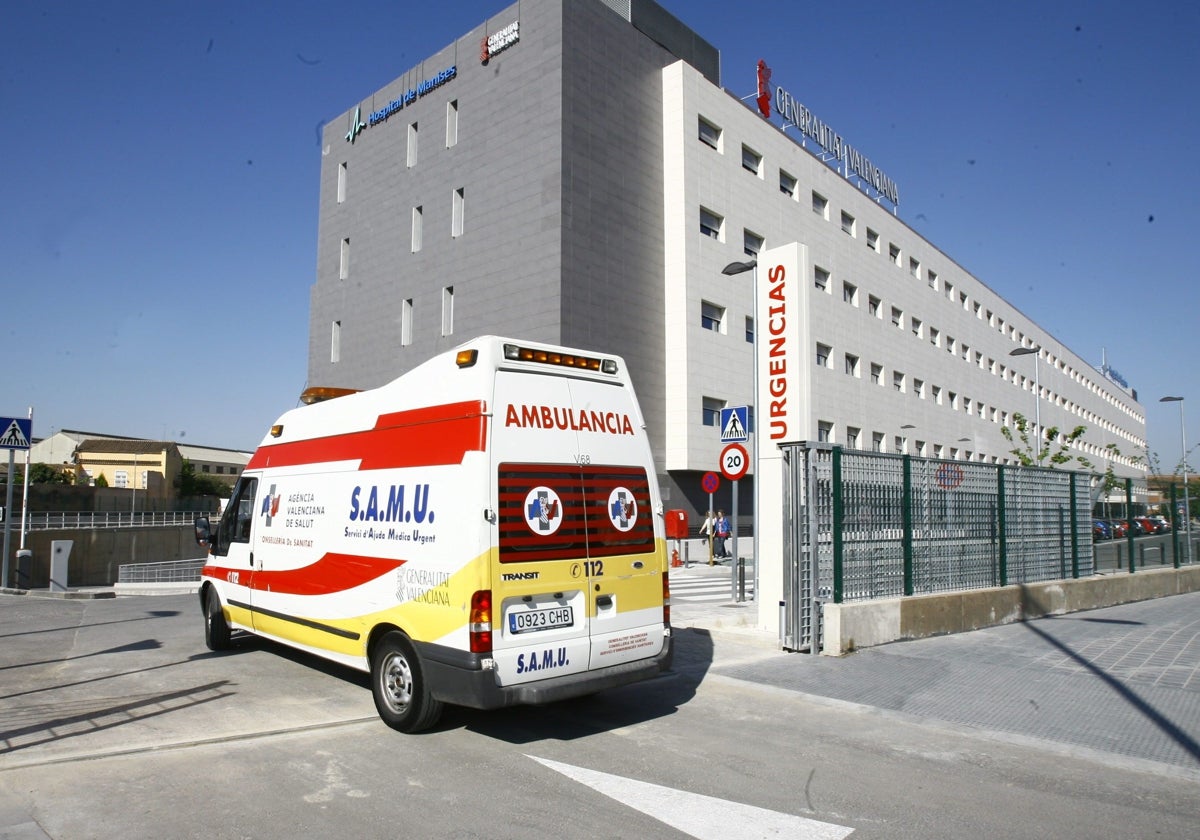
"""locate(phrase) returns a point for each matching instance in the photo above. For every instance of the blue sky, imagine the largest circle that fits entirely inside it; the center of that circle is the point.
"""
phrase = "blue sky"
(162, 162)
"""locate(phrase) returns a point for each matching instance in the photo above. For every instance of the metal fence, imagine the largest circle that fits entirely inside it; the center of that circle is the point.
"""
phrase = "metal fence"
(867, 525)
(173, 571)
(40, 521)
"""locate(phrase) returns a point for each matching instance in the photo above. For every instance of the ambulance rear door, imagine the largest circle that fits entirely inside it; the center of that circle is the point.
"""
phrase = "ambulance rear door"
(577, 579)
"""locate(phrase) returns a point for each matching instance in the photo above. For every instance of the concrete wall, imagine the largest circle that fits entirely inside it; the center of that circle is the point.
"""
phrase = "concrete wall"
(851, 626)
(97, 554)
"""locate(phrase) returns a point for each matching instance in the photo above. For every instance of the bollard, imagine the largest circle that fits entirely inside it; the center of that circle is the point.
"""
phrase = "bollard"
(741, 561)
(24, 568)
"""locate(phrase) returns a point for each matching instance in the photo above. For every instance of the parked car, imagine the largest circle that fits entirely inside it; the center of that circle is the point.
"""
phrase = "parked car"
(1100, 530)
(1120, 530)
(1149, 526)
(1164, 524)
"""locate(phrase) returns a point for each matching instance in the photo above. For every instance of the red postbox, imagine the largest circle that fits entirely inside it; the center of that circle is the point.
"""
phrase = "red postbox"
(677, 524)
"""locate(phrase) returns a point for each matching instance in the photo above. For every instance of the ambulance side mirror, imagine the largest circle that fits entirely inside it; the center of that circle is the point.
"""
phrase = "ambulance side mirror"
(203, 532)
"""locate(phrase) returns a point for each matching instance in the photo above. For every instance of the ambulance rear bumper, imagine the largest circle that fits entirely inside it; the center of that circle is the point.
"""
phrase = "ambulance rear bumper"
(460, 678)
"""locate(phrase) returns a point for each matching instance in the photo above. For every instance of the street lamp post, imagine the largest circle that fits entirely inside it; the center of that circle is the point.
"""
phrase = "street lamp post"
(1037, 399)
(1187, 505)
(730, 270)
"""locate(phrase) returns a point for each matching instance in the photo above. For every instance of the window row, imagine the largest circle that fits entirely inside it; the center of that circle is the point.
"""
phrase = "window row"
(458, 216)
(406, 324)
(822, 282)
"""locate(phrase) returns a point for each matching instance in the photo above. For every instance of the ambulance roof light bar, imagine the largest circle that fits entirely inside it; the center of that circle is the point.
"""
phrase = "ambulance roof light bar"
(320, 393)
(517, 353)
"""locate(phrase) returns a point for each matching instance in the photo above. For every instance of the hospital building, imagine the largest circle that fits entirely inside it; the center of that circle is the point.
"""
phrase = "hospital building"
(577, 172)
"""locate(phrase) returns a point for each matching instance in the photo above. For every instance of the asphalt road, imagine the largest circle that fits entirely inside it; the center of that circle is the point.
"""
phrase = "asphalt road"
(115, 721)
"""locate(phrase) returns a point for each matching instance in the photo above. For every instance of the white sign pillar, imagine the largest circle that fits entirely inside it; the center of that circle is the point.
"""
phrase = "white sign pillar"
(782, 338)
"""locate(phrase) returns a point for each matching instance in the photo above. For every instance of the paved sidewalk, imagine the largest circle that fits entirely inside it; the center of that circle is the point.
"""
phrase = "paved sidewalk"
(1122, 680)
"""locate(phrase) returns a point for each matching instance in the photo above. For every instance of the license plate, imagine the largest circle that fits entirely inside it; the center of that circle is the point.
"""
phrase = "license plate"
(527, 621)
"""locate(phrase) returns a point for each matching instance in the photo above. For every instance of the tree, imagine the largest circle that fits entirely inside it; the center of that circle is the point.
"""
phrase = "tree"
(41, 474)
(191, 484)
(1053, 451)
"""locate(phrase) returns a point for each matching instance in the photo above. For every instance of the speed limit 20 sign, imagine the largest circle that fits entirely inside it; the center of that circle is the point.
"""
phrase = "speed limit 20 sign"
(734, 461)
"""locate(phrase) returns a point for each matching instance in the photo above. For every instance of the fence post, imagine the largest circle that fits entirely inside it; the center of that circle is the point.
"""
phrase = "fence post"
(838, 519)
(1074, 531)
(907, 521)
(1002, 524)
(1129, 523)
(1174, 527)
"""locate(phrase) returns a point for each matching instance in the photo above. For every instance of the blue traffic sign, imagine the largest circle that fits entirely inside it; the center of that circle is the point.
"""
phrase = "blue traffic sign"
(734, 427)
(15, 432)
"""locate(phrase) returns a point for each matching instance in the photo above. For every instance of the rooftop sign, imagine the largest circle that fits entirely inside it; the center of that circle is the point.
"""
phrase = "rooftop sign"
(849, 158)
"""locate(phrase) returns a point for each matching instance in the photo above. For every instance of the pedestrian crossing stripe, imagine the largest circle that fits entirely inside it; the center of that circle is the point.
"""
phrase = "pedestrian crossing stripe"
(14, 437)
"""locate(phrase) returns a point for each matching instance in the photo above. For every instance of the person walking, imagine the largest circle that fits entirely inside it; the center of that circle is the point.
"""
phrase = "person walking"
(706, 531)
(721, 528)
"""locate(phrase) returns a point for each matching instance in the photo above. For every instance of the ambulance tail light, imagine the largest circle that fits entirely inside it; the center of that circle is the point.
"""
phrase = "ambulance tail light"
(666, 598)
(517, 353)
(480, 623)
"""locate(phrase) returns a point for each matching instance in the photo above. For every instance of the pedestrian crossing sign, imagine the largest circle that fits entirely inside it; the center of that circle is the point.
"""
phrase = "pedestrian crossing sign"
(734, 427)
(15, 432)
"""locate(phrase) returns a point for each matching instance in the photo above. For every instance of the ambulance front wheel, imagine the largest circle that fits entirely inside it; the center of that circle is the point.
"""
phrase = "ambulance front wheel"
(398, 683)
(216, 628)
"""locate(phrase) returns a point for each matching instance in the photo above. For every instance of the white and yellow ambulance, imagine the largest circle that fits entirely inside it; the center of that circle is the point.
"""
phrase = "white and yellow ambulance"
(485, 530)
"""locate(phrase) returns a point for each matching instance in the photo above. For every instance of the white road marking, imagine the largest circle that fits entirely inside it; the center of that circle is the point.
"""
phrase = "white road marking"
(703, 817)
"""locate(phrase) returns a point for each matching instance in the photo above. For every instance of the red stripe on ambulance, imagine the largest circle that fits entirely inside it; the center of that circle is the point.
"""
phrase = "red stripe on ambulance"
(422, 437)
(332, 573)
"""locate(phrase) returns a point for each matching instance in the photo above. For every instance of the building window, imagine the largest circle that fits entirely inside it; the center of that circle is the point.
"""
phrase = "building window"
(873, 240)
(936, 393)
(711, 411)
(459, 212)
(341, 185)
(852, 364)
(897, 318)
(220, 469)
(898, 381)
(894, 253)
(749, 330)
(406, 322)
(917, 326)
(452, 123)
(821, 279)
(914, 268)
(335, 343)
(712, 317)
(412, 145)
(447, 310)
(876, 374)
(934, 335)
(120, 478)
(873, 306)
(847, 223)
(823, 352)
(710, 224)
(205, 468)
(933, 279)
(949, 289)
(751, 161)
(820, 205)
(752, 243)
(919, 388)
(344, 259)
(850, 293)
(852, 436)
(824, 431)
(710, 135)
(876, 441)
(417, 227)
(787, 184)
(900, 445)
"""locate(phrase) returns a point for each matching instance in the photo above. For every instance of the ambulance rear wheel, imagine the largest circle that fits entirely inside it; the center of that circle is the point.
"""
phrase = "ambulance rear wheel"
(216, 628)
(398, 683)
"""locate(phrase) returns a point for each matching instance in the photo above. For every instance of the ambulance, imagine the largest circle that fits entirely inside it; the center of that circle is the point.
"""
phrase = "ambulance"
(486, 530)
